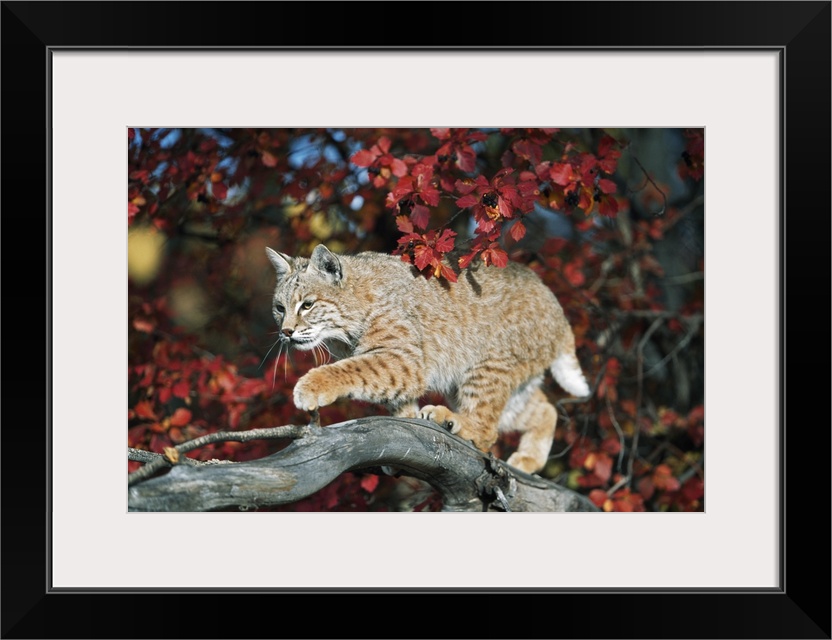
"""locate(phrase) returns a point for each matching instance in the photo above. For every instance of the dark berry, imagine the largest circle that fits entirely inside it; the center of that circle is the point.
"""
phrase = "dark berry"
(443, 158)
(572, 199)
(373, 171)
(489, 199)
(687, 159)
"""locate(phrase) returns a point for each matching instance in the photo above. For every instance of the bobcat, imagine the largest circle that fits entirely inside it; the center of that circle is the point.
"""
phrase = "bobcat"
(483, 343)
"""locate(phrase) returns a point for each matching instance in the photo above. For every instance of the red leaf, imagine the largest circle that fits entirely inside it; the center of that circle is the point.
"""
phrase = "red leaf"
(445, 241)
(465, 187)
(598, 497)
(605, 145)
(466, 159)
(697, 413)
(383, 144)
(505, 207)
(404, 224)
(369, 483)
(180, 417)
(145, 326)
(362, 158)
(447, 273)
(561, 173)
(465, 201)
(220, 190)
(603, 466)
(430, 195)
(268, 159)
(573, 274)
(143, 409)
(495, 256)
(608, 207)
(607, 186)
(518, 230)
(608, 165)
(181, 389)
(646, 488)
(420, 216)
(465, 260)
(423, 256)
(611, 445)
(399, 168)
(663, 478)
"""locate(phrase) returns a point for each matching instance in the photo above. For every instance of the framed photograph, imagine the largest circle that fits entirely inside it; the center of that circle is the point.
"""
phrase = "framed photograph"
(692, 541)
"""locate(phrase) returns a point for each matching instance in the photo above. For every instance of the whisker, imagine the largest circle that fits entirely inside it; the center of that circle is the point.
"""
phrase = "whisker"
(328, 352)
(285, 365)
(268, 352)
(274, 374)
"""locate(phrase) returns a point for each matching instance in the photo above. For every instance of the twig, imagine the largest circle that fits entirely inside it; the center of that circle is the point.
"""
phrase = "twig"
(618, 430)
(653, 182)
(640, 363)
(140, 455)
(695, 321)
(684, 211)
(650, 313)
(617, 486)
(684, 278)
(289, 431)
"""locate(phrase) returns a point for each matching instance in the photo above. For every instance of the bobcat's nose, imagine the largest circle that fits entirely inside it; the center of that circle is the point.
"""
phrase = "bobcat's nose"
(287, 332)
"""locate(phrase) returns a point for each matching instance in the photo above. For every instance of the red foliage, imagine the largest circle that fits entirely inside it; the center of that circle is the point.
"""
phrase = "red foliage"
(572, 204)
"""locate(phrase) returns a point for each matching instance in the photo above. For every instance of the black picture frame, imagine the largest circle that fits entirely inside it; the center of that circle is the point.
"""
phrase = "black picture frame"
(800, 608)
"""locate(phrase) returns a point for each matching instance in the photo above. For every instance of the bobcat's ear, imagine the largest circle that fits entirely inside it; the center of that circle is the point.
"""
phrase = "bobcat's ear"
(326, 263)
(280, 261)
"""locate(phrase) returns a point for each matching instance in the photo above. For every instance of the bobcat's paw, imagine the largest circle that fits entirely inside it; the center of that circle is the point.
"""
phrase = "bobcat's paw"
(441, 416)
(312, 393)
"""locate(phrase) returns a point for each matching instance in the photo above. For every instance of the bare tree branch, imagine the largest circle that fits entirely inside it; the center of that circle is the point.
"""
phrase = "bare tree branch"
(466, 478)
(291, 431)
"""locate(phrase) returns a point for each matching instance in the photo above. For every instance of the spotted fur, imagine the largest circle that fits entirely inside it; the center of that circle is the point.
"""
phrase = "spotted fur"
(483, 343)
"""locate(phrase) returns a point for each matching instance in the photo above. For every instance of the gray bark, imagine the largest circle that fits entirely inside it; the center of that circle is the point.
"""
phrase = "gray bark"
(466, 478)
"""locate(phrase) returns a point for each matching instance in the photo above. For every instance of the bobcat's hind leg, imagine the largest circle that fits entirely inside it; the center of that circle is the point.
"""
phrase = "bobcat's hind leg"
(535, 418)
(480, 401)
(406, 410)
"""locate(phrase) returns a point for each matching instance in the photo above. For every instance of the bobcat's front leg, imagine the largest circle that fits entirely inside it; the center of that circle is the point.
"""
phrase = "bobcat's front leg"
(381, 377)
(315, 389)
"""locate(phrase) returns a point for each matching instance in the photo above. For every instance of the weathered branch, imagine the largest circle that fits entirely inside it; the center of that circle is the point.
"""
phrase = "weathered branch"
(466, 478)
(160, 462)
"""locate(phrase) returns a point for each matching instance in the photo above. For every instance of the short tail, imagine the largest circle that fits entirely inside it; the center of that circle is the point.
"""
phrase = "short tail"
(567, 371)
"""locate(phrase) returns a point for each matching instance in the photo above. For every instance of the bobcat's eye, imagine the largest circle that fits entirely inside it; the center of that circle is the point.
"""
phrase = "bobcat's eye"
(280, 308)
(307, 304)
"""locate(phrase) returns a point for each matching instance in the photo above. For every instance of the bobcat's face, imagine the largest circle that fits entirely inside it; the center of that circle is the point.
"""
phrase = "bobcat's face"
(306, 304)
(305, 319)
